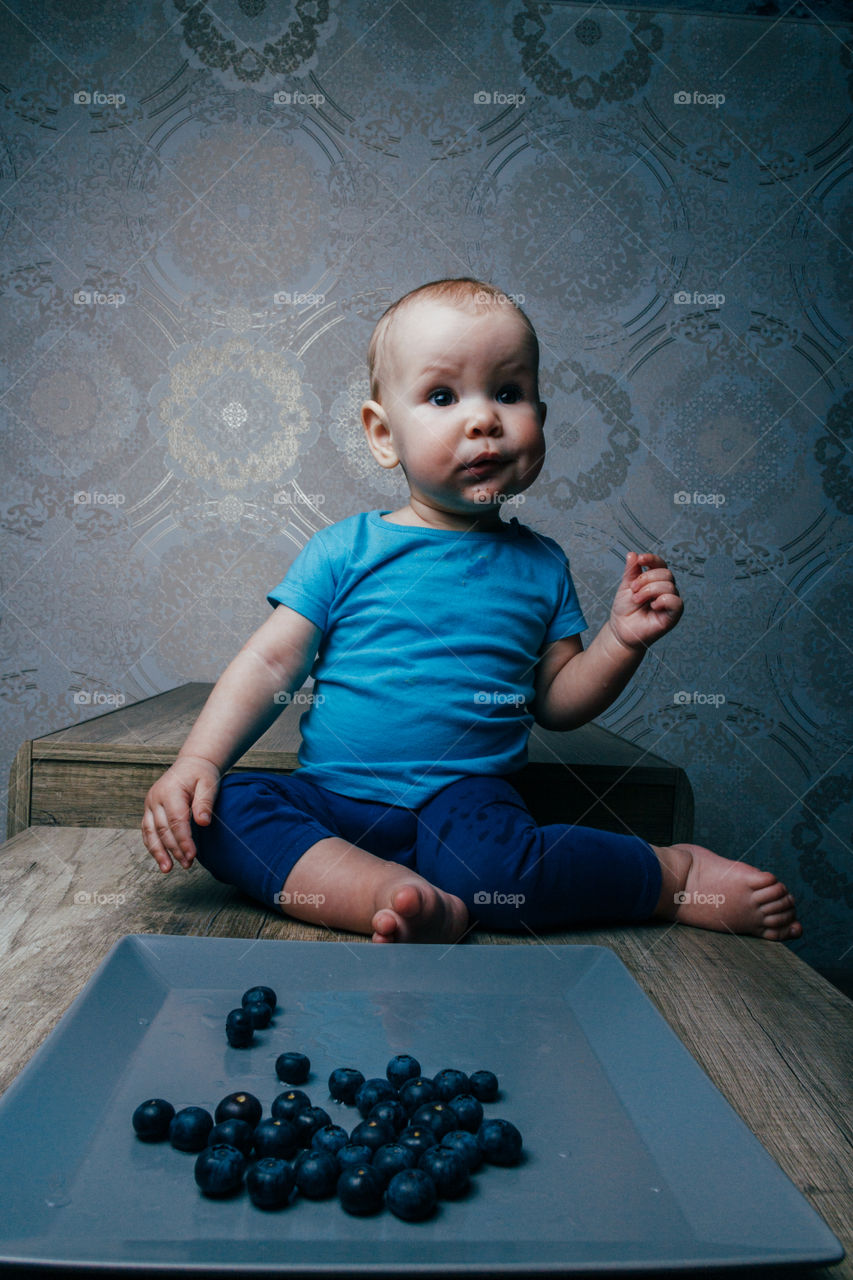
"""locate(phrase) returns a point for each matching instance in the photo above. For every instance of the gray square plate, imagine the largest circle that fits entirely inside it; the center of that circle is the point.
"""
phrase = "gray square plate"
(634, 1161)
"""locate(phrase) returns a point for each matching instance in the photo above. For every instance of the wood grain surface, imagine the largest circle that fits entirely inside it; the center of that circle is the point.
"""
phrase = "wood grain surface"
(774, 1037)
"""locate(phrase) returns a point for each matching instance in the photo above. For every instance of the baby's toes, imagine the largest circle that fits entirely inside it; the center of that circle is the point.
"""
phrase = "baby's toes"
(783, 932)
(769, 893)
(780, 916)
(784, 902)
(407, 901)
(385, 924)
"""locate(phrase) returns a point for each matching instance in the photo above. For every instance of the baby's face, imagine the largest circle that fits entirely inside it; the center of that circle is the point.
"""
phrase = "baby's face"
(459, 384)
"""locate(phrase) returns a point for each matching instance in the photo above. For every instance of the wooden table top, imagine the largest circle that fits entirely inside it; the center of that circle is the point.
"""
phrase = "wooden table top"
(773, 1036)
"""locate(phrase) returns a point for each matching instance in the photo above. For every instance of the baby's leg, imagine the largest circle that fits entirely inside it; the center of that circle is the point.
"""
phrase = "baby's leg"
(701, 888)
(479, 841)
(342, 886)
(273, 836)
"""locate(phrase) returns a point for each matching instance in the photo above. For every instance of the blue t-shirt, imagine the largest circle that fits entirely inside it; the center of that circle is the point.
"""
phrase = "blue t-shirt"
(431, 638)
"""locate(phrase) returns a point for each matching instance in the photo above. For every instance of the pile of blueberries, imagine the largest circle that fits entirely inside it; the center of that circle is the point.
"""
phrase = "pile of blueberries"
(418, 1142)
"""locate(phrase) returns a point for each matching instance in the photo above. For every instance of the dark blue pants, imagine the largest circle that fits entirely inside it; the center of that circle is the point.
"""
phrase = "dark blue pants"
(476, 838)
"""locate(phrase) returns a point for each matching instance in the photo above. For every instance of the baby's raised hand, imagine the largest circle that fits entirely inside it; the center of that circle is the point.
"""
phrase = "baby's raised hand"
(189, 787)
(647, 603)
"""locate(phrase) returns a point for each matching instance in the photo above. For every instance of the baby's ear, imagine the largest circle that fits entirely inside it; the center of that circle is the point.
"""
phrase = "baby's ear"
(371, 413)
(543, 409)
(375, 422)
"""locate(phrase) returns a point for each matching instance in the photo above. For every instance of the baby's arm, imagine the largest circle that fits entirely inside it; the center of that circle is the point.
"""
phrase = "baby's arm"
(241, 706)
(573, 684)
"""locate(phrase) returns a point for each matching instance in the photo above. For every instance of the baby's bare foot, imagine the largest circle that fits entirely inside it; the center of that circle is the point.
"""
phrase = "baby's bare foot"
(703, 889)
(342, 886)
(416, 911)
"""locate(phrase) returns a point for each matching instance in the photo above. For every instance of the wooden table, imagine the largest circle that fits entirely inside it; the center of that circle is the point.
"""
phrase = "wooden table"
(774, 1037)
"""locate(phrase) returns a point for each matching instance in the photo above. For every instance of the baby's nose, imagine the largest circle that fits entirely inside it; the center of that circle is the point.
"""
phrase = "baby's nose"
(483, 415)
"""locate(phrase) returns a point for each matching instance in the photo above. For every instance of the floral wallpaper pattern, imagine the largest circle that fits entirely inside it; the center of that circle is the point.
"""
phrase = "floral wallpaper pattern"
(205, 207)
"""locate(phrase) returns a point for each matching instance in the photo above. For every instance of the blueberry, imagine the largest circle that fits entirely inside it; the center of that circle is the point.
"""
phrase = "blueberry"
(151, 1119)
(189, 1129)
(288, 1104)
(259, 1012)
(232, 1133)
(266, 995)
(415, 1093)
(344, 1083)
(354, 1153)
(360, 1189)
(373, 1091)
(466, 1145)
(292, 1068)
(391, 1112)
(239, 1106)
(270, 1182)
(448, 1170)
(500, 1142)
(484, 1085)
(393, 1157)
(239, 1029)
(418, 1137)
(402, 1068)
(437, 1116)
(330, 1138)
(468, 1111)
(306, 1123)
(274, 1139)
(372, 1133)
(219, 1169)
(450, 1082)
(317, 1175)
(411, 1195)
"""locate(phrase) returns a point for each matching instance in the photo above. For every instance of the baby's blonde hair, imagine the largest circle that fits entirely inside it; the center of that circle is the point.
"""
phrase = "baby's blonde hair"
(459, 291)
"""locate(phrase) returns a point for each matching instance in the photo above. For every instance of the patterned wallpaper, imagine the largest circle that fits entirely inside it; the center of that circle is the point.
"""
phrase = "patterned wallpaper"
(205, 208)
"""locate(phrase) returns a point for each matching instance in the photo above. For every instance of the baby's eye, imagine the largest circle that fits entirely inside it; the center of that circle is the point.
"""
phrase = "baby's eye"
(510, 394)
(441, 397)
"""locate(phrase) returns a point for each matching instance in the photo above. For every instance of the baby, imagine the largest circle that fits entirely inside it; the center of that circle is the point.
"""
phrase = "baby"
(436, 635)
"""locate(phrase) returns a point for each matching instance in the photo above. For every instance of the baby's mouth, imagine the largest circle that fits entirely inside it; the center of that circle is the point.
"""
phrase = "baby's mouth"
(485, 464)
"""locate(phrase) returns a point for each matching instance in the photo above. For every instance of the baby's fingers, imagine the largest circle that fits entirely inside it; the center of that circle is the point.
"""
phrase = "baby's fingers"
(153, 843)
(202, 806)
(652, 583)
(647, 560)
(670, 605)
(174, 833)
(183, 836)
(666, 600)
